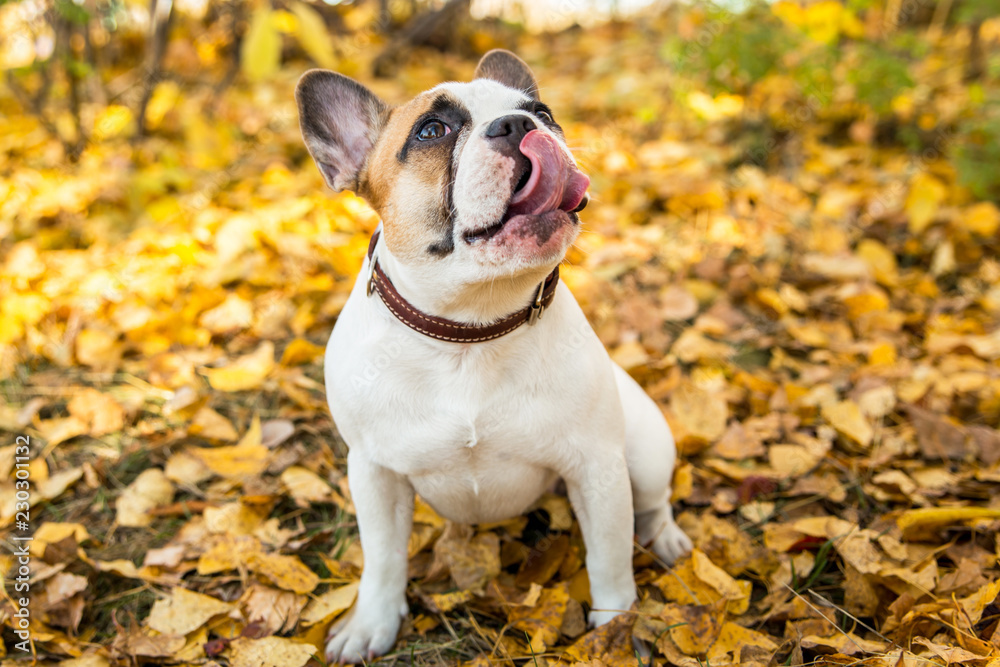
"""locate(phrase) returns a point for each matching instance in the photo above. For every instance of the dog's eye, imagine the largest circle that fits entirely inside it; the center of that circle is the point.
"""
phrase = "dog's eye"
(544, 115)
(432, 129)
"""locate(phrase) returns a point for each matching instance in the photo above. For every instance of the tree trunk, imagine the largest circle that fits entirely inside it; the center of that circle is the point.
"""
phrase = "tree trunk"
(433, 28)
(160, 11)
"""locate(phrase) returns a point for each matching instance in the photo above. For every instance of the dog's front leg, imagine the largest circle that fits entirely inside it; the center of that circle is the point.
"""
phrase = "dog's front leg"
(384, 503)
(602, 500)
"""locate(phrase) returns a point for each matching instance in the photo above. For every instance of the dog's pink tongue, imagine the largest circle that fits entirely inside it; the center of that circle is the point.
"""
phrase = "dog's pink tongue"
(555, 182)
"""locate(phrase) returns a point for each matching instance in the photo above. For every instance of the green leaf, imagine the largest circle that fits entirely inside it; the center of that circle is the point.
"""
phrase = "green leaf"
(72, 12)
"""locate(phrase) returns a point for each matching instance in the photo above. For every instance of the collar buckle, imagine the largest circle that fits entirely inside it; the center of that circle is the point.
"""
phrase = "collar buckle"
(370, 284)
(536, 307)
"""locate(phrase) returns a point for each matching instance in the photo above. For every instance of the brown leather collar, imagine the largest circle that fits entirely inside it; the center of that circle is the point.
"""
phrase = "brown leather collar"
(449, 330)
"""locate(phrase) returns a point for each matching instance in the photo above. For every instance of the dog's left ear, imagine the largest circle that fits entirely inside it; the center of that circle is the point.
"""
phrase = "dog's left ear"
(503, 66)
(340, 121)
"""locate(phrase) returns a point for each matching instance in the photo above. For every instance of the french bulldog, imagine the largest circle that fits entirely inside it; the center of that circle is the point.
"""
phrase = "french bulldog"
(460, 369)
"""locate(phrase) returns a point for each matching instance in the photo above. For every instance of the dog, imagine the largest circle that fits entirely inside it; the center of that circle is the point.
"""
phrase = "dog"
(460, 368)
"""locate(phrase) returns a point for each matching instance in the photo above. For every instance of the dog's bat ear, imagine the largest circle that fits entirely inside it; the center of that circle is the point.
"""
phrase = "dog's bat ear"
(340, 121)
(503, 66)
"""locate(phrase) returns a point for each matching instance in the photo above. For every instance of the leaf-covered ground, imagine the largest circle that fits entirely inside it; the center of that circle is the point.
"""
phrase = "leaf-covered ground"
(815, 310)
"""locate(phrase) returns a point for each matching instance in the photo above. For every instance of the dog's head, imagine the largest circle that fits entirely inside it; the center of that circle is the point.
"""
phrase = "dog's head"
(473, 179)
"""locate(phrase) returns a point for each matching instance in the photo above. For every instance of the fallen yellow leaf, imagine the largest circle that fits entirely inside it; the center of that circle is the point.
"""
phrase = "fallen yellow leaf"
(150, 489)
(286, 572)
(330, 604)
(924, 198)
(300, 351)
(245, 459)
(269, 652)
(246, 372)
(847, 418)
(184, 611)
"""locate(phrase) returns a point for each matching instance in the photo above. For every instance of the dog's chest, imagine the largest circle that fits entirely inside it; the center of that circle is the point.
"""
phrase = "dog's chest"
(461, 420)
(477, 468)
(476, 436)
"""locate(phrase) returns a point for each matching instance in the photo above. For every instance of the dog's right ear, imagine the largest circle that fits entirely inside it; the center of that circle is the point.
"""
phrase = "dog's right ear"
(503, 66)
(340, 121)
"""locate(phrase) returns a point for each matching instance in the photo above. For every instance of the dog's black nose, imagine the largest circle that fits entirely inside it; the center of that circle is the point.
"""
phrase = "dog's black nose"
(513, 127)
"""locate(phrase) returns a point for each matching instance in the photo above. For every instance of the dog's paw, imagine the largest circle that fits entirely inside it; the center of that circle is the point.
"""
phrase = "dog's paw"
(362, 637)
(657, 530)
(599, 617)
(604, 611)
(671, 543)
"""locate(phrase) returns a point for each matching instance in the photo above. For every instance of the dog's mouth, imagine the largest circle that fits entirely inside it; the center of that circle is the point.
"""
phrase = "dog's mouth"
(549, 182)
(525, 177)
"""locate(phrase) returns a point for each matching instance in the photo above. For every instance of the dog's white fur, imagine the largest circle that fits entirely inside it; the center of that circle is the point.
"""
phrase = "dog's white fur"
(481, 430)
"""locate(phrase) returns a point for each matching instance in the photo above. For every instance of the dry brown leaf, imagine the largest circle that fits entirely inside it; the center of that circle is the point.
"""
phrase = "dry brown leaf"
(699, 416)
(950, 654)
(98, 348)
(847, 418)
(89, 660)
(150, 489)
(209, 424)
(542, 621)
(299, 352)
(733, 638)
(844, 643)
(184, 469)
(697, 580)
(611, 644)
(228, 552)
(919, 521)
(244, 459)
(330, 604)
(273, 432)
(168, 557)
(63, 586)
(56, 485)
(101, 413)
(141, 643)
(542, 561)
(232, 315)
(184, 611)
(269, 652)
(245, 373)
(305, 486)
(58, 431)
(473, 561)
(277, 611)
(694, 628)
(558, 509)
(857, 550)
(286, 572)
(939, 436)
(678, 304)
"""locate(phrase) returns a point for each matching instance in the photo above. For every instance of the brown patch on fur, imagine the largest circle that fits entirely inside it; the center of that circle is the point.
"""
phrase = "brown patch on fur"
(410, 197)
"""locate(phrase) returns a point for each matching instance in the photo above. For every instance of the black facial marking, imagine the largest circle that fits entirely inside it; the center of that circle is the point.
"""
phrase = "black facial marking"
(534, 107)
(454, 114)
(446, 244)
(445, 109)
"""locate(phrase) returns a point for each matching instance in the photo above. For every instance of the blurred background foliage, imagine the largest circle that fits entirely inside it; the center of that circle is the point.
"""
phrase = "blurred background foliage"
(120, 115)
(901, 70)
